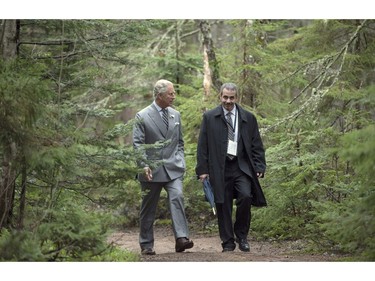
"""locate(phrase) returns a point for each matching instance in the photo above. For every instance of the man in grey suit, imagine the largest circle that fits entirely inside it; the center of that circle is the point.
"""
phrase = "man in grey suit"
(157, 136)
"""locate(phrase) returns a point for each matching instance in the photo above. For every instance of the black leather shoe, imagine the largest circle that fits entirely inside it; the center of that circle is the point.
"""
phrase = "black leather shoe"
(148, 252)
(243, 245)
(183, 243)
(229, 247)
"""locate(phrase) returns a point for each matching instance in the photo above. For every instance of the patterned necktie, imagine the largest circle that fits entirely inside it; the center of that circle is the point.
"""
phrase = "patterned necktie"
(165, 117)
(230, 126)
(230, 131)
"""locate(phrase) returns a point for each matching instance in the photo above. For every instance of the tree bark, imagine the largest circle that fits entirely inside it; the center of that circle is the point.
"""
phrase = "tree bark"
(211, 69)
(7, 184)
(9, 39)
(22, 195)
(8, 47)
(249, 77)
(246, 72)
(178, 41)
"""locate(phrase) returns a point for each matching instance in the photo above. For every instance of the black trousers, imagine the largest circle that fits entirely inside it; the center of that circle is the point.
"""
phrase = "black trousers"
(237, 186)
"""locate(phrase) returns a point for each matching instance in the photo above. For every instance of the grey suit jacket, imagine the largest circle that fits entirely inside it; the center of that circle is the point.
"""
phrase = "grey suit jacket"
(158, 148)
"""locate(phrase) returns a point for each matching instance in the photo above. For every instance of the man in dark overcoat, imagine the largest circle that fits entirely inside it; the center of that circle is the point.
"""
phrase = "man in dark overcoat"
(230, 153)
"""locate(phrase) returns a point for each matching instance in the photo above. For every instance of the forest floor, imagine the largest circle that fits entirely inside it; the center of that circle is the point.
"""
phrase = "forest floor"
(207, 248)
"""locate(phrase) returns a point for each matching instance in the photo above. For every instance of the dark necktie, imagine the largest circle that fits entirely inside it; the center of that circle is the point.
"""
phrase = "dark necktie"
(230, 131)
(230, 126)
(165, 117)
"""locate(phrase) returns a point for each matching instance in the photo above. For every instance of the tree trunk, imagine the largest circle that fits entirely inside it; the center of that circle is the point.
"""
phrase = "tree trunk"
(211, 71)
(246, 72)
(178, 41)
(7, 184)
(22, 195)
(8, 47)
(9, 40)
(248, 77)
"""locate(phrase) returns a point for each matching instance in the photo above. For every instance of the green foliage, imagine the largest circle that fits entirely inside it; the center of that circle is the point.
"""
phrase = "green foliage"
(362, 155)
(192, 108)
(71, 233)
(69, 100)
(311, 193)
(67, 233)
(351, 224)
(62, 132)
(289, 188)
(116, 254)
(22, 92)
(20, 246)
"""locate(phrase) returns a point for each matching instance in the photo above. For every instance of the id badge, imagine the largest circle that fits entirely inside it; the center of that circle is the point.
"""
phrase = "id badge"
(232, 148)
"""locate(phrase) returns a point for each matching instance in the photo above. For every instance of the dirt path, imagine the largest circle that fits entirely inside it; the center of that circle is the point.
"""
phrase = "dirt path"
(207, 248)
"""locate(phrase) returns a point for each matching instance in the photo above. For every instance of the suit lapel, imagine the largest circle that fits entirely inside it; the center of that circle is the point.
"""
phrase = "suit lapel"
(158, 121)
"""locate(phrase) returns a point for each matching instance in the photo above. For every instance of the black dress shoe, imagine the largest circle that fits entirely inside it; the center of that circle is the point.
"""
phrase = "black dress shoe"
(243, 245)
(183, 243)
(229, 247)
(148, 252)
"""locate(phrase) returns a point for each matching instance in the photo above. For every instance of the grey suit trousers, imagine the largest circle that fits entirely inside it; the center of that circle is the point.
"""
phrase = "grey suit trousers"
(150, 198)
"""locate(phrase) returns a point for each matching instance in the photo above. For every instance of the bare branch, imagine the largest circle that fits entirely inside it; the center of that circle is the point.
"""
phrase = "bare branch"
(317, 94)
(329, 62)
(156, 45)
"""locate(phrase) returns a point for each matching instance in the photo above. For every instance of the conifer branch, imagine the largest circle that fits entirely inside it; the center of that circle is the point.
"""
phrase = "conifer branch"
(318, 93)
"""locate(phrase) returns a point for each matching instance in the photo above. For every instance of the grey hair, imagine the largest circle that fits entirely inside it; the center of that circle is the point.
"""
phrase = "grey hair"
(228, 86)
(161, 86)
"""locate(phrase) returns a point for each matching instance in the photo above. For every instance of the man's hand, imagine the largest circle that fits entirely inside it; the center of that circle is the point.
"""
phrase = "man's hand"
(202, 177)
(148, 173)
(260, 175)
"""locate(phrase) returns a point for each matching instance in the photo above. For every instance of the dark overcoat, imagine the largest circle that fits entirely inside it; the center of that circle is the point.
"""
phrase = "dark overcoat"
(212, 150)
